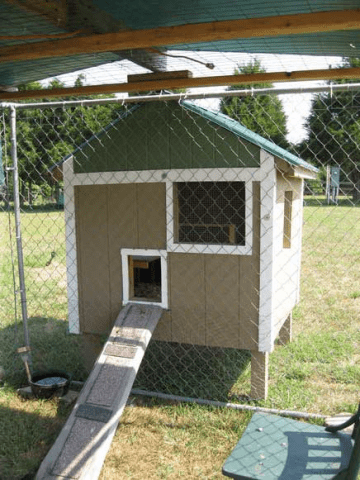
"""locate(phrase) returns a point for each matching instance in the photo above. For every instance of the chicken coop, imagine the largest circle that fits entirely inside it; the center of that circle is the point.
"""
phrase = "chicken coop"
(183, 207)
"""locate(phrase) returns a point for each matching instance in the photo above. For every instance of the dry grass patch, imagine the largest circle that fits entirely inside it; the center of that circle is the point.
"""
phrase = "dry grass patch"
(170, 442)
(329, 394)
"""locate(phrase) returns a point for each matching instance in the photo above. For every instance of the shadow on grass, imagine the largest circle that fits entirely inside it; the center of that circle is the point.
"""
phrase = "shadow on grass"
(26, 434)
(51, 346)
(194, 371)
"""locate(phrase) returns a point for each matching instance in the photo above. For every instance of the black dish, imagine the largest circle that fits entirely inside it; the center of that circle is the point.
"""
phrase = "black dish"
(50, 383)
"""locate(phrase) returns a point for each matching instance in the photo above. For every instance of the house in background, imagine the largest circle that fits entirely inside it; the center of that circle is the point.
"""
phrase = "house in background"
(186, 208)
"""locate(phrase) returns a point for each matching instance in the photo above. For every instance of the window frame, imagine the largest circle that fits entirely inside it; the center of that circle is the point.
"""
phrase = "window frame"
(288, 218)
(172, 220)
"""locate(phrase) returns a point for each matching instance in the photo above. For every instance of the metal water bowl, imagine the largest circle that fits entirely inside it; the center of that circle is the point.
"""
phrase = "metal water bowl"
(50, 383)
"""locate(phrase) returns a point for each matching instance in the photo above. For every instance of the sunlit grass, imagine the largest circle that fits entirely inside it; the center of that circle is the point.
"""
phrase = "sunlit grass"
(319, 371)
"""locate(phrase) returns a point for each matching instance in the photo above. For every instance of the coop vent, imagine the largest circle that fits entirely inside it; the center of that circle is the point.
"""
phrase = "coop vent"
(211, 213)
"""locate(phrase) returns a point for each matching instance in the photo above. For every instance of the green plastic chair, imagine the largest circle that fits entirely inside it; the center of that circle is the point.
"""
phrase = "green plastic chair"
(278, 448)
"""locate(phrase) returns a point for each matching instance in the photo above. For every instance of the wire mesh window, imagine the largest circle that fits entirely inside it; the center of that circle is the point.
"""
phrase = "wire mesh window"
(210, 213)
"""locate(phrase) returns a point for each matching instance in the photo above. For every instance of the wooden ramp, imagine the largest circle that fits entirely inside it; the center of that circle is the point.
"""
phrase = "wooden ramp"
(81, 448)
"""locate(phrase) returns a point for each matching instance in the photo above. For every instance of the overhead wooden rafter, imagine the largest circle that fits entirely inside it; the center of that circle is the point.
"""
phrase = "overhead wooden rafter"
(185, 34)
(72, 15)
(185, 82)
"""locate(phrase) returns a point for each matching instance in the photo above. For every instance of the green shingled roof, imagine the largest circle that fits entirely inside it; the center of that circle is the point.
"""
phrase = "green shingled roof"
(86, 156)
(238, 129)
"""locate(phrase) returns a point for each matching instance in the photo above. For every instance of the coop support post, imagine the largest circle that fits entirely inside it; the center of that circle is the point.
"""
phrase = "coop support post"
(285, 334)
(259, 374)
(14, 160)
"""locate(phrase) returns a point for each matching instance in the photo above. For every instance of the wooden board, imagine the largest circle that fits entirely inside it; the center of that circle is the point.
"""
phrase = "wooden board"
(141, 77)
(222, 300)
(185, 83)
(187, 289)
(81, 448)
(272, 26)
(151, 213)
(109, 218)
(93, 258)
(122, 230)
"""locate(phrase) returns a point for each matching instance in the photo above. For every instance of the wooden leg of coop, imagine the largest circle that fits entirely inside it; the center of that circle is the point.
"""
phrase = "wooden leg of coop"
(259, 374)
(285, 334)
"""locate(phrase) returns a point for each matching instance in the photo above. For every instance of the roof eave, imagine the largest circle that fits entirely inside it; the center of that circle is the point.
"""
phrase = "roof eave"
(300, 172)
(295, 171)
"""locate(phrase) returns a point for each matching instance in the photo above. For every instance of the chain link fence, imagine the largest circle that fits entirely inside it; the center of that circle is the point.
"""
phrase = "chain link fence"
(176, 203)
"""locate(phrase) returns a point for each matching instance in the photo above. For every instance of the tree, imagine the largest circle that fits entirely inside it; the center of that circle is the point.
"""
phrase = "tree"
(263, 114)
(333, 131)
(45, 136)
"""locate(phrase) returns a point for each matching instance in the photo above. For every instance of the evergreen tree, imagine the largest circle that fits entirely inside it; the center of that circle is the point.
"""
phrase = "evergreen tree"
(46, 136)
(263, 114)
(333, 128)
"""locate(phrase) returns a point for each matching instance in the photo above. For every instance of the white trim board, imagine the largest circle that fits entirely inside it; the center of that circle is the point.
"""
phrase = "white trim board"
(267, 209)
(176, 175)
(71, 250)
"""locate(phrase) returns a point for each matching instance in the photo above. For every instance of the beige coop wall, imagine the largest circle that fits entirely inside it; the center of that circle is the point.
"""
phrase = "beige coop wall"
(110, 217)
(213, 299)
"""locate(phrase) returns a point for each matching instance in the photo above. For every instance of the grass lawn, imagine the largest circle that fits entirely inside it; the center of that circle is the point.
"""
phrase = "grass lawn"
(318, 372)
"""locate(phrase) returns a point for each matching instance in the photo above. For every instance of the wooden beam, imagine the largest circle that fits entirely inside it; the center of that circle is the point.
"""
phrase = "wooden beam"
(176, 83)
(69, 14)
(144, 77)
(190, 33)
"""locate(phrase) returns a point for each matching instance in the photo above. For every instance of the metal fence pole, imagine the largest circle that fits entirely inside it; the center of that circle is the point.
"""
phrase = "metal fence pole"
(18, 224)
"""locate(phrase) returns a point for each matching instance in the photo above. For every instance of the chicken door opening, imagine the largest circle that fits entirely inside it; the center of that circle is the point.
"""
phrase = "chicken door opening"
(145, 278)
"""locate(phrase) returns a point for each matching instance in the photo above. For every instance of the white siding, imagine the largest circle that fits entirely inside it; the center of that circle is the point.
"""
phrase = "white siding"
(267, 252)
(287, 264)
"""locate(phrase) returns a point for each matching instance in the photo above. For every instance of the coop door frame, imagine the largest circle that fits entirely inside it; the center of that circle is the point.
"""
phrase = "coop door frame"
(130, 252)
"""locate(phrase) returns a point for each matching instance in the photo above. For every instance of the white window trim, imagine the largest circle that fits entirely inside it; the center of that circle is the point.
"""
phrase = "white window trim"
(125, 254)
(203, 247)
